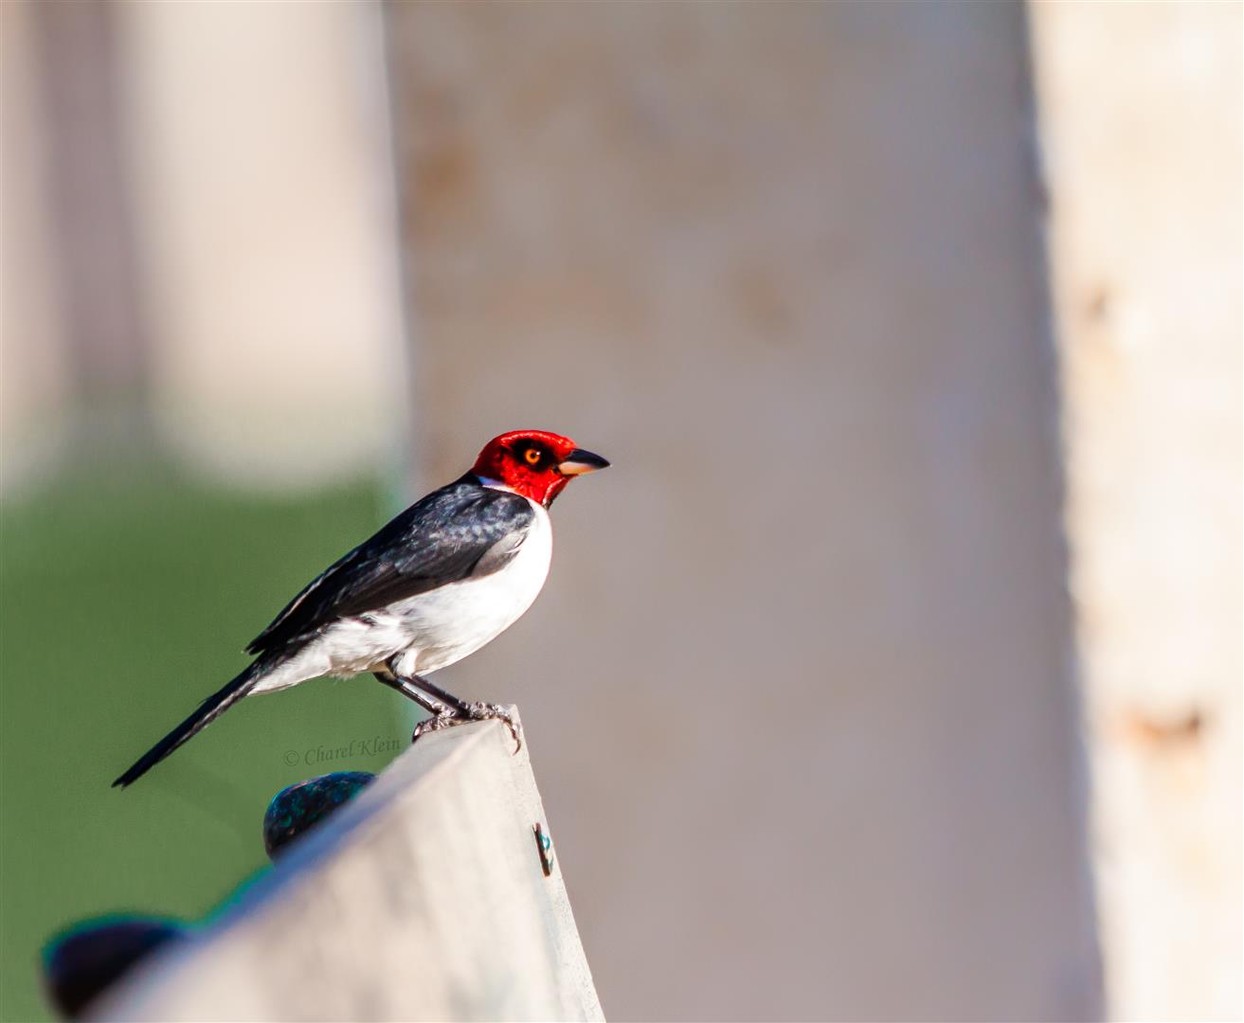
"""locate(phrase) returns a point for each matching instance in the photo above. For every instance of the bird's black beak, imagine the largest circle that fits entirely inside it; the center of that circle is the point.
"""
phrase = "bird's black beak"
(579, 461)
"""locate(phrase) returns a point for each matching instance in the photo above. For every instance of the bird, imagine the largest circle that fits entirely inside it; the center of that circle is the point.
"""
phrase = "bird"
(446, 576)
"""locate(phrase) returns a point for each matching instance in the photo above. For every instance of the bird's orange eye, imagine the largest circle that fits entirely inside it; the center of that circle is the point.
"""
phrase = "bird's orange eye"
(532, 456)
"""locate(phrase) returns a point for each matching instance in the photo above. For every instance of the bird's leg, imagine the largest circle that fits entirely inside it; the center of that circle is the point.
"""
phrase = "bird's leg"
(403, 686)
(463, 712)
(442, 712)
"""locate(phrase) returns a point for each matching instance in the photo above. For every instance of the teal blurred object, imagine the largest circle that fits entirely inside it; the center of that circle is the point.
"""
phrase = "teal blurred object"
(125, 598)
(298, 808)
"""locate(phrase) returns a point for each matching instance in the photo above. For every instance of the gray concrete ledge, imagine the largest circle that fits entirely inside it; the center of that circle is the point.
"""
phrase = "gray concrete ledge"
(425, 898)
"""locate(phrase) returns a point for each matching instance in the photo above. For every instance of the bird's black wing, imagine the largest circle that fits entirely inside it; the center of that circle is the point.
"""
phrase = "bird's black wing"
(461, 530)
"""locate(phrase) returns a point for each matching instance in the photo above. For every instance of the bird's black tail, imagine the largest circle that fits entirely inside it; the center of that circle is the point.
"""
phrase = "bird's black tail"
(207, 712)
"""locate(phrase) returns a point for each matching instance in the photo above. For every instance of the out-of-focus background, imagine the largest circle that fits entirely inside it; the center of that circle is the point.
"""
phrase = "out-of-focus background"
(894, 670)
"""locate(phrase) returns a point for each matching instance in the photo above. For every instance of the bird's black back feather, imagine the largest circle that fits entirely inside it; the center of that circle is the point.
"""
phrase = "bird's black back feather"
(464, 529)
(455, 532)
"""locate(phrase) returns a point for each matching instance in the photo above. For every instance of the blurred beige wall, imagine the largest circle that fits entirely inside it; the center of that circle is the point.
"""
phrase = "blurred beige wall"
(1141, 111)
(260, 144)
(799, 692)
(255, 200)
(34, 373)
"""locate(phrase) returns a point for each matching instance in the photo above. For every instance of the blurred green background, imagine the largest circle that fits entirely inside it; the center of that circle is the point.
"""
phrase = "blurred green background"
(127, 596)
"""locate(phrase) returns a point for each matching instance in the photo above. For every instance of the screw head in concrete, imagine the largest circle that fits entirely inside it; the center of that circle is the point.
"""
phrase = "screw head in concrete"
(544, 845)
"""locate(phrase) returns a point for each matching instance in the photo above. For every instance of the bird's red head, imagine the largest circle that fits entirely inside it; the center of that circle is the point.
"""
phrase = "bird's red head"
(535, 463)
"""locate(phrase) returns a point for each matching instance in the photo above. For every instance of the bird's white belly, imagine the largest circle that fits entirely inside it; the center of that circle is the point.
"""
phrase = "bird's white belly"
(432, 630)
(456, 620)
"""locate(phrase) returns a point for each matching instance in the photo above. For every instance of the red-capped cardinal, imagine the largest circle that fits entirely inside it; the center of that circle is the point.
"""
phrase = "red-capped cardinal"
(450, 573)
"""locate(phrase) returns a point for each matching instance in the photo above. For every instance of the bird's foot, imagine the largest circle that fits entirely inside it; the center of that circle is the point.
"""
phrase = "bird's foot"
(444, 718)
(495, 712)
(448, 717)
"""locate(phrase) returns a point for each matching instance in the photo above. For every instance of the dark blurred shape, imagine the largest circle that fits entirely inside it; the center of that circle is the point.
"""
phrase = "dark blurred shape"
(78, 965)
(300, 807)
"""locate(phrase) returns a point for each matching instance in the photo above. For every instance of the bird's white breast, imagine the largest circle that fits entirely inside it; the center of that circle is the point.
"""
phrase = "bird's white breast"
(453, 621)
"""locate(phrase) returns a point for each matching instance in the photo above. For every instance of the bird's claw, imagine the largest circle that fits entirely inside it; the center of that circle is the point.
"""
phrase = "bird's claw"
(450, 717)
(495, 712)
(443, 719)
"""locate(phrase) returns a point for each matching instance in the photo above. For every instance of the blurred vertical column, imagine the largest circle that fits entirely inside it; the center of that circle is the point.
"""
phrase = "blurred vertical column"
(801, 681)
(1141, 114)
(70, 336)
(33, 382)
(263, 190)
